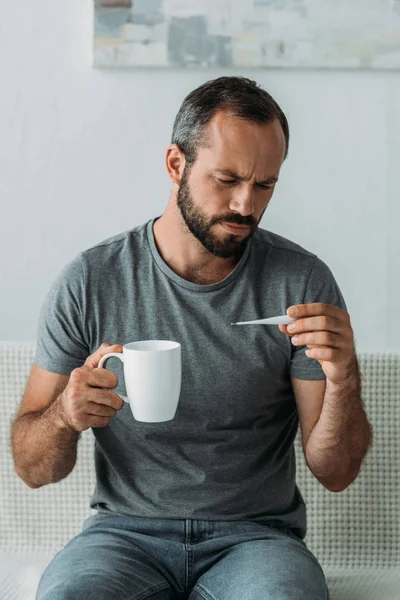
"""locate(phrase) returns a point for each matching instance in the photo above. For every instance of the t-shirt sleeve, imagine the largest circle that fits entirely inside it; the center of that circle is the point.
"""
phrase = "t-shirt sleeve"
(61, 345)
(321, 287)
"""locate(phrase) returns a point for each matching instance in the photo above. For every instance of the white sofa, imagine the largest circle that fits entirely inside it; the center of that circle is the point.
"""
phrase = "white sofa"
(355, 534)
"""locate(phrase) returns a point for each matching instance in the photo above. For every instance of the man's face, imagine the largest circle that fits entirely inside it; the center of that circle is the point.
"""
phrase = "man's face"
(231, 182)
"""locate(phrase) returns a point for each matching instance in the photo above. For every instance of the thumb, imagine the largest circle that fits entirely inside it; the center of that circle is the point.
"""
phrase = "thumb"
(93, 360)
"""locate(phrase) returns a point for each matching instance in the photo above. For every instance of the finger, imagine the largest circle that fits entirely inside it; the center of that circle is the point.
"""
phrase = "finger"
(102, 378)
(318, 309)
(319, 338)
(97, 422)
(105, 398)
(321, 323)
(94, 378)
(100, 410)
(93, 360)
(325, 353)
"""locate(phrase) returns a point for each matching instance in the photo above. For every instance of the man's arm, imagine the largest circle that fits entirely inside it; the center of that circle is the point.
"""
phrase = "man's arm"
(44, 448)
(335, 430)
(55, 410)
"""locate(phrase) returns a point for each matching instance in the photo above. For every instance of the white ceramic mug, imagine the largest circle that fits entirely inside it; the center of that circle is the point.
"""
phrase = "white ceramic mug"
(153, 374)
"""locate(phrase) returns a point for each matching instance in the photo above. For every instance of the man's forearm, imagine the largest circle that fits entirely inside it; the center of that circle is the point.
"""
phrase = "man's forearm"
(44, 448)
(341, 438)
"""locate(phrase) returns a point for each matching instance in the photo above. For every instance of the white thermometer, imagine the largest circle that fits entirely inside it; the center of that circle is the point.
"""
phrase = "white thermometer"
(282, 320)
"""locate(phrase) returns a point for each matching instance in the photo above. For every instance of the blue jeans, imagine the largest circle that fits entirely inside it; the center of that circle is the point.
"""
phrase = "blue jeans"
(132, 558)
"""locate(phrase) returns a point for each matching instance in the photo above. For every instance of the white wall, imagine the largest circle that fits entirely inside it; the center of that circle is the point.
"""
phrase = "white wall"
(82, 158)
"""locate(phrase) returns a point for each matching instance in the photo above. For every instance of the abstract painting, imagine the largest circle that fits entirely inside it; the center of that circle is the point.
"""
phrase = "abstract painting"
(361, 34)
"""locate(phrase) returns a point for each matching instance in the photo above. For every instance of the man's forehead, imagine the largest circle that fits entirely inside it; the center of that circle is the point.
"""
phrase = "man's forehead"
(241, 157)
(224, 125)
(233, 135)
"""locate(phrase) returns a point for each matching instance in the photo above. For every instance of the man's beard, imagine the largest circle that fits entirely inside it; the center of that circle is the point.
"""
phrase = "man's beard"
(200, 226)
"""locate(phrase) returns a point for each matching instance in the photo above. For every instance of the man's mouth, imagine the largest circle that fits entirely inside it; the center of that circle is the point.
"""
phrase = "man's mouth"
(234, 228)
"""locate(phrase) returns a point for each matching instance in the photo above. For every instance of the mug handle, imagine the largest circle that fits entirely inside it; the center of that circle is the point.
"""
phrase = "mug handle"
(104, 359)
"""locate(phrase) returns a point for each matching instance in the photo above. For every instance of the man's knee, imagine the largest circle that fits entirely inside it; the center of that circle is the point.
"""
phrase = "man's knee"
(64, 590)
(93, 566)
(80, 587)
(85, 589)
(94, 586)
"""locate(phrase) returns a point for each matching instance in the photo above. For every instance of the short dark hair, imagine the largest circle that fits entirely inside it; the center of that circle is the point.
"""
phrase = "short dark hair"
(238, 96)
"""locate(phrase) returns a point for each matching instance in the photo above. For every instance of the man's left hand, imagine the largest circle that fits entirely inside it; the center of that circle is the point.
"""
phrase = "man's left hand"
(328, 335)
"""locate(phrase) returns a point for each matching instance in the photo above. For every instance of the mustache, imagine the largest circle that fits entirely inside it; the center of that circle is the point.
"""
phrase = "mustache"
(238, 220)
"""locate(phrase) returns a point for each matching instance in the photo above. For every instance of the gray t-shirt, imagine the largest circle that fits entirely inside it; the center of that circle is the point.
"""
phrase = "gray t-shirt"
(228, 454)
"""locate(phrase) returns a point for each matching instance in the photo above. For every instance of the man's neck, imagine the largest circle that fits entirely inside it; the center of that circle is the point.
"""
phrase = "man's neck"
(185, 255)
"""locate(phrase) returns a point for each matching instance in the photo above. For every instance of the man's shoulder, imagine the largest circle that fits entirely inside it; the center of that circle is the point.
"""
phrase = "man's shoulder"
(274, 241)
(115, 245)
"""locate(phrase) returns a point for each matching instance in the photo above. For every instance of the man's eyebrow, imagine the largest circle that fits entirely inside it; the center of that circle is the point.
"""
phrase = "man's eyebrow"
(230, 173)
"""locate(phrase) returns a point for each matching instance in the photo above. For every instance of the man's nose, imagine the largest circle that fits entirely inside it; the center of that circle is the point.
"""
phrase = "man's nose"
(242, 201)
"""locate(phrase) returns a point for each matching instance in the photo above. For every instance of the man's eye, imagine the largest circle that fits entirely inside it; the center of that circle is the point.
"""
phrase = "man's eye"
(232, 181)
(227, 181)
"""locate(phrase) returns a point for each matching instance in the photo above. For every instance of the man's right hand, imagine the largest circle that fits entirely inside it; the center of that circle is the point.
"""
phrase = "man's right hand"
(84, 403)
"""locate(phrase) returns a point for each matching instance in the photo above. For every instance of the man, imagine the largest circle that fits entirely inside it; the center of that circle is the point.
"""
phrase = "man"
(204, 506)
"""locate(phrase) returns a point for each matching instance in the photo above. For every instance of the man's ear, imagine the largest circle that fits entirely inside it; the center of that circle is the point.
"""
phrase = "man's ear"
(175, 162)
